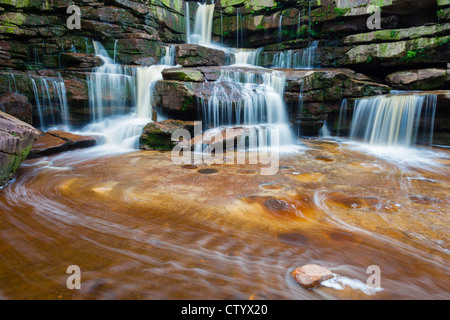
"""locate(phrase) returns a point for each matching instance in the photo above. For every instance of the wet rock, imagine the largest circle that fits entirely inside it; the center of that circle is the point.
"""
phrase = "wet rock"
(222, 136)
(16, 140)
(311, 275)
(53, 142)
(17, 105)
(423, 79)
(158, 135)
(183, 74)
(192, 55)
(81, 60)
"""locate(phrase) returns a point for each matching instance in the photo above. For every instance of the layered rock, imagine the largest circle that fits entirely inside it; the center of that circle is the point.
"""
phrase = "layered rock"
(53, 142)
(422, 79)
(17, 105)
(16, 140)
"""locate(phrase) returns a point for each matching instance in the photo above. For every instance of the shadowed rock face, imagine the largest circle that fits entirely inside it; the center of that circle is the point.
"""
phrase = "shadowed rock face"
(17, 105)
(16, 140)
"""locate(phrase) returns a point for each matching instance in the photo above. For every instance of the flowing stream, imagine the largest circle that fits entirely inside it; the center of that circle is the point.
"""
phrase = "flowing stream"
(140, 227)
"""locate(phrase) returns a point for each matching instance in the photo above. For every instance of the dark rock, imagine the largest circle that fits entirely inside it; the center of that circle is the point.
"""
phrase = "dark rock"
(17, 105)
(423, 79)
(81, 60)
(158, 135)
(192, 55)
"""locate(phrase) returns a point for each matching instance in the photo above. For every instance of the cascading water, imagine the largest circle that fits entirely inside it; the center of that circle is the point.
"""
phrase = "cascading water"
(290, 59)
(121, 99)
(203, 25)
(169, 57)
(250, 100)
(247, 56)
(398, 120)
(51, 102)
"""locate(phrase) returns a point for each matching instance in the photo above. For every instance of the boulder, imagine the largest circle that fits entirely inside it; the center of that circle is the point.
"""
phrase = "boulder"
(423, 79)
(17, 105)
(311, 275)
(16, 140)
(158, 135)
(192, 55)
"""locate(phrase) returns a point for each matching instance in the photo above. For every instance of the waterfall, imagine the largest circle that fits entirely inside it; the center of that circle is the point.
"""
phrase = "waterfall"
(121, 99)
(303, 59)
(51, 99)
(247, 56)
(398, 120)
(280, 28)
(188, 23)
(169, 57)
(343, 115)
(202, 25)
(248, 99)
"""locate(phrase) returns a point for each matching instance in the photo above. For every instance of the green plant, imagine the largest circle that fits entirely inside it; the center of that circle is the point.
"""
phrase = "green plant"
(341, 12)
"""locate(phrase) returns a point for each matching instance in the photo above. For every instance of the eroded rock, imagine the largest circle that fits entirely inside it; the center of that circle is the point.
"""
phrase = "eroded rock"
(311, 275)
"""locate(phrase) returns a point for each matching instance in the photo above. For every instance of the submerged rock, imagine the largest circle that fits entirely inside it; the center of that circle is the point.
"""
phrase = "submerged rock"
(16, 140)
(311, 275)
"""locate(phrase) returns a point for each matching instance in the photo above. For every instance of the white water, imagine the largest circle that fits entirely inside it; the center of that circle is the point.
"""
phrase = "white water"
(398, 120)
(121, 100)
(50, 95)
(290, 59)
(247, 56)
(249, 100)
(203, 25)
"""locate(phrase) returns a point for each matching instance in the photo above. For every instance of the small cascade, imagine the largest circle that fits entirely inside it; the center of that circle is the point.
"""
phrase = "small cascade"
(51, 102)
(111, 87)
(240, 28)
(247, 56)
(290, 59)
(251, 100)
(121, 99)
(280, 28)
(325, 131)
(169, 57)
(187, 17)
(202, 25)
(115, 51)
(12, 82)
(343, 117)
(398, 120)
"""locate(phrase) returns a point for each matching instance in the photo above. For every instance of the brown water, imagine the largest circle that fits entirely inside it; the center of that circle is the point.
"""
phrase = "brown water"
(140, 227)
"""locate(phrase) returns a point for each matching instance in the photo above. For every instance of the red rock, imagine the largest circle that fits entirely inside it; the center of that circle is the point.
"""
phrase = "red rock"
(311, 275)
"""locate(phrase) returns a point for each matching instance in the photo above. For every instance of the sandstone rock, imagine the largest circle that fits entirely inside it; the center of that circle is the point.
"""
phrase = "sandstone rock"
(16, 141)
(191, 55)
(81, 60)
(311, 275)
(158, 135)
(183, 74)
(223, 136)
(17, 105)
(423, 79)
(53, 142)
